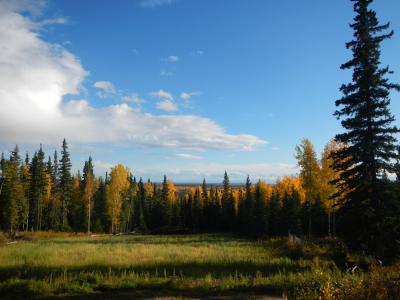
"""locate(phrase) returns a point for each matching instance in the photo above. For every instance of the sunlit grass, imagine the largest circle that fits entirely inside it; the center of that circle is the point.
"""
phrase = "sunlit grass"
(45, 264)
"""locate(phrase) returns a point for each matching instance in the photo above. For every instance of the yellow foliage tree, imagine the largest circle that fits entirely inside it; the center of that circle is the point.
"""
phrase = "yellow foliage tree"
(118, 184)
(171, 191)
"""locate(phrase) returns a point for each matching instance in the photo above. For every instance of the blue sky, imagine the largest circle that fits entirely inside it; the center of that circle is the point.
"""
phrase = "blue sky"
(241, 82)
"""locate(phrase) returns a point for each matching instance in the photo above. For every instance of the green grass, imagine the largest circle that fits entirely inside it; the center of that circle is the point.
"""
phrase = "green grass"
(175, 265)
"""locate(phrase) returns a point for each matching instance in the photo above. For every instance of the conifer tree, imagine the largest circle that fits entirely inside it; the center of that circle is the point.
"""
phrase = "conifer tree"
(13, 197)
(369, 132)
(25, 180)
(37, 170)
(166, 211)
(88, 190)
(259, 213)
(228, 209)
(65, 184)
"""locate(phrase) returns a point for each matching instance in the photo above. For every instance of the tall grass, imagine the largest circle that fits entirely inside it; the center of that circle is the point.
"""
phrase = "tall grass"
(182, 264)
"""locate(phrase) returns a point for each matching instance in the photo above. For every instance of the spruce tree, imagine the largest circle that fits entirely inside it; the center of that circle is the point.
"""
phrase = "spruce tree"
(37, 170)
(65, 184)
(88, 190)
(228, 209)
(369, 133)
(13, 196)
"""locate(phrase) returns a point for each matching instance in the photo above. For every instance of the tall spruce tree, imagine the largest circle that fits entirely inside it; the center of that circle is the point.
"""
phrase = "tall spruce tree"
(65, 184)
(88, 190)
(37, 169)
(369, 133)
(227, 205)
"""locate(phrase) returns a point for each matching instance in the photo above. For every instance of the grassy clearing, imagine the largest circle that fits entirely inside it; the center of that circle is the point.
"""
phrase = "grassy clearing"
(182, 265)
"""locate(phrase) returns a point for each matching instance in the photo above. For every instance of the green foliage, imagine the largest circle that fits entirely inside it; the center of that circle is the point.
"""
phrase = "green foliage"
(65, 184)
(370, 144)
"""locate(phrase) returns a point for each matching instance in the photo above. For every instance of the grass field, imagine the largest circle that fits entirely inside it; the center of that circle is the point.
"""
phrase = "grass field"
(50, 265)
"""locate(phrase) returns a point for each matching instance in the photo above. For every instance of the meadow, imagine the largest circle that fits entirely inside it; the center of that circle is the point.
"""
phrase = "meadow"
(48, 265)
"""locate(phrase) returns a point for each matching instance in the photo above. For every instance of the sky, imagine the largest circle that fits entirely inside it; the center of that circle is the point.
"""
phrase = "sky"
(186, 88)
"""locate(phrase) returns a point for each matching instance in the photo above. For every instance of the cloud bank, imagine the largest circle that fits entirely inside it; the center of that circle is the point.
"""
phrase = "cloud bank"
(35, 75)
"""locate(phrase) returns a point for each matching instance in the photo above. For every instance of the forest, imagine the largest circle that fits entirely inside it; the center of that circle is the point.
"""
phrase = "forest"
(43, 195)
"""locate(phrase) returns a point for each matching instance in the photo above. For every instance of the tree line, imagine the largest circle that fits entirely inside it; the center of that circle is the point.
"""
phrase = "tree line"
(38, 194)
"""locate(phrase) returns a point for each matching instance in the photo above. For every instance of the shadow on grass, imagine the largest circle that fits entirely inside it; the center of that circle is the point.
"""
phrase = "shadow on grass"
(148, 294)
(197, 239)
(166, 269)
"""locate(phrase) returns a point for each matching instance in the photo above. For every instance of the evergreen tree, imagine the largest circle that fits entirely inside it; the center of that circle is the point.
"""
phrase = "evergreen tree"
(13, 196)
(88, 190)
(65, 184)
(369, 133)
(259, 214)
(37, 170)
(228, 209)
(166, 211)
(2, 163)
(25, 180)
(99, 209)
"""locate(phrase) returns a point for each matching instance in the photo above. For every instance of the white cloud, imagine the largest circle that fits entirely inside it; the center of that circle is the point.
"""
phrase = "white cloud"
(171, 58)
(155, 3)
(186, 96)
(35, 76)
(167, 105)
(54, 21)
(188, 156)
(107, 88)
(134, 98)
(101, 166)
(167, 102)
(163, 94)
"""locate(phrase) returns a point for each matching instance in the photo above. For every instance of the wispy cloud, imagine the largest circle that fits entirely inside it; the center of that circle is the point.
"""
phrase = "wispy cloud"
(106, 87)
(54, 21)
(102, 167)
(163, 94)
(171, 58)
(166, 103)
(197, 53)
(155, 3)
(188, 156)
(134, 98)
(166, 73)
(187, 95)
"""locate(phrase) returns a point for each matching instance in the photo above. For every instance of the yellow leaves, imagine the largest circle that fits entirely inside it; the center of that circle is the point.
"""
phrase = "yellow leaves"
(171, 191)
(149, 189)
(48, 188)
(118, 184)
(89, 190)
(289, 184)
